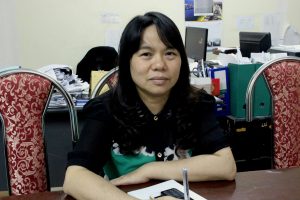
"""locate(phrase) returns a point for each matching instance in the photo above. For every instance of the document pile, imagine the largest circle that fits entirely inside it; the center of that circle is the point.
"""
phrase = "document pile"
(237, 58)
(64, 75)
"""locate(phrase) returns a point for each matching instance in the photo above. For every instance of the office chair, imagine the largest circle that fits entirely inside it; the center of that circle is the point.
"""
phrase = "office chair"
(110, 80)
(98, 58)
(283, 78)
(24, 97)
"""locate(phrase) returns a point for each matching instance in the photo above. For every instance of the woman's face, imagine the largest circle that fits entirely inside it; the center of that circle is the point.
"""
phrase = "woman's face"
(154, 67)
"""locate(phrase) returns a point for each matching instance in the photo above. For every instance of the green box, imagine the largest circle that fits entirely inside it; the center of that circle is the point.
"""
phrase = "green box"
(239, 77)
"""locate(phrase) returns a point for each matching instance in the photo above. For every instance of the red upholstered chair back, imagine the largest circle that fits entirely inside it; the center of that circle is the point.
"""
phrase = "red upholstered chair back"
(283, 78)
(22, 103)
(24, 95)
(284, 82)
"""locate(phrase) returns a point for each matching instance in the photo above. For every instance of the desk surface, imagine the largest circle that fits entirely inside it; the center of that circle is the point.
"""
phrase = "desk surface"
(264, 184)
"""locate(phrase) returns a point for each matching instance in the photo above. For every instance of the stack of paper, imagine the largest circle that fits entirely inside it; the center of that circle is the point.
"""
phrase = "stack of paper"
(155, 190)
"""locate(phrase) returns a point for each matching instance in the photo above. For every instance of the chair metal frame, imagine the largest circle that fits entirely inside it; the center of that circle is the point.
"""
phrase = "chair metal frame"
(251, 84)
(103, 81)
(71, 107)
(250, 90)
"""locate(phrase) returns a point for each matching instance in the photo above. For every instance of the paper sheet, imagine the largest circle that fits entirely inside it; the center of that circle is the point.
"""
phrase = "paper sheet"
(155, 190)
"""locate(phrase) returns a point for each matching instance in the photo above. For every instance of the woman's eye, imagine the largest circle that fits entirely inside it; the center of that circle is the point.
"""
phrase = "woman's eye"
(171, 54)
(145, 54)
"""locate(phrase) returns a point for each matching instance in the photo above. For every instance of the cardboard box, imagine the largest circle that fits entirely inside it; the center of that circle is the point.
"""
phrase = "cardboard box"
(95, 78)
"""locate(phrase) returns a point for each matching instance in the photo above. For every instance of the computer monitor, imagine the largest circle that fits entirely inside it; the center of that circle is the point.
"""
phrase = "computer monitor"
(254, 42)
(196, 43)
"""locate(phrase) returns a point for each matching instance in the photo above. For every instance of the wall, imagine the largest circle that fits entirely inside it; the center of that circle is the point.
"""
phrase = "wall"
(256, 15)
(267, 15)
(61, 32)
(35, 33)
(8, 47)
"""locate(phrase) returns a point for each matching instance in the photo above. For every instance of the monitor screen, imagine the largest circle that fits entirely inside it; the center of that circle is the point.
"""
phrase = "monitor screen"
(196, 43)
(254, 42)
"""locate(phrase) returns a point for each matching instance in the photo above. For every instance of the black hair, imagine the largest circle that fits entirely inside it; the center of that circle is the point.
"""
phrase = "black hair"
(124, 106)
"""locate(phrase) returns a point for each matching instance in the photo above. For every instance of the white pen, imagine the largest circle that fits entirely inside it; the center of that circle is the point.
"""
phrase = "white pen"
(185, 184)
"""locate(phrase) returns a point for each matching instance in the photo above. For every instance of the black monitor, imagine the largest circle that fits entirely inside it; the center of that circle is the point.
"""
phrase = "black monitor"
(196, 43)
(254, 42)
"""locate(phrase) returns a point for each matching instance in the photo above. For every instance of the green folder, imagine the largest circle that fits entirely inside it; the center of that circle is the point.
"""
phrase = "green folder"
(239, 77)
(262, 101)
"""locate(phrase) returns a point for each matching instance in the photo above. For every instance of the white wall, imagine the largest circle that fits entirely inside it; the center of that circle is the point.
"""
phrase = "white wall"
(34, 33)
(267, 15)
(61, 32)
(8, 43)
(258, 15)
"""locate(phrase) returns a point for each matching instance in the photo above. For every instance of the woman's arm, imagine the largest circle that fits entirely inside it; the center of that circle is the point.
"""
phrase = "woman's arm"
(83, 184)
(217, 166)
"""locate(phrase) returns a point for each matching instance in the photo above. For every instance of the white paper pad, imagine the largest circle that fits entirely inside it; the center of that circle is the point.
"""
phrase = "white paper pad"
(155, 190)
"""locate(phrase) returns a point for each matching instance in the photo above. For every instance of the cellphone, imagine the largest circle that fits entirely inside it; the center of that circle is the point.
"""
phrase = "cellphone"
(173, 192)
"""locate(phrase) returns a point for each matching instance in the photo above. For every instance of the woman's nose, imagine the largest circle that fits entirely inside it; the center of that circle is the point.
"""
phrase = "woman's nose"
(159, 63)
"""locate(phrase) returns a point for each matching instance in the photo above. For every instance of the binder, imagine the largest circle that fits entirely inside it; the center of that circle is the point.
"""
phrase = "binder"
(221, 73)
(239, 77)
(262, 100)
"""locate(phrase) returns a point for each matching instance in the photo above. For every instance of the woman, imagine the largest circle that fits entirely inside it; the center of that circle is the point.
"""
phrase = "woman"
(153, 115)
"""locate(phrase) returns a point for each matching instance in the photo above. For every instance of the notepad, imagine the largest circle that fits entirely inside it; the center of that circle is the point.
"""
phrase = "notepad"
(155, 190)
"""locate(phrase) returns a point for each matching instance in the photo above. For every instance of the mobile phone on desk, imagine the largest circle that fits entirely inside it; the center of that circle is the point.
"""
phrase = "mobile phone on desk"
(173, 192)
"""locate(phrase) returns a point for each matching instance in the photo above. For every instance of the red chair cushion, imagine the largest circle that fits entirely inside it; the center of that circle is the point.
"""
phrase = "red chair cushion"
(284, 82)
(113, 79)
(22, 101)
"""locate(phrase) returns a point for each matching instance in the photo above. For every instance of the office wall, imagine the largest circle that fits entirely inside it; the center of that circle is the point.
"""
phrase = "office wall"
(8, 48)
(61, 32)
(256, 15)
(34, 33)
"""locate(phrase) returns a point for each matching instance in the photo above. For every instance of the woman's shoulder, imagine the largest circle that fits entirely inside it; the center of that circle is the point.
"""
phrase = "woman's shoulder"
(98, 106)
(200, 102)
(201, 97)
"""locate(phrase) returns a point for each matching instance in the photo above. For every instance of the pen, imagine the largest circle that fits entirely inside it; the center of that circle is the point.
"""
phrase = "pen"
(185, 184)
(203, 68)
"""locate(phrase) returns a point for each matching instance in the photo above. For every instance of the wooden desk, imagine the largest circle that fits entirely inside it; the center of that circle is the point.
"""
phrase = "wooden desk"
(264, 184)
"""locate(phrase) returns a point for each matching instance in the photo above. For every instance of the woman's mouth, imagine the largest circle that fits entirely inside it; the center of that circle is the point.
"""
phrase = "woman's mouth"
(158, 80)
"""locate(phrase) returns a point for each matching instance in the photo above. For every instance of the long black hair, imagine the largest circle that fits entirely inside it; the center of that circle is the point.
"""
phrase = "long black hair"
(124, 105)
